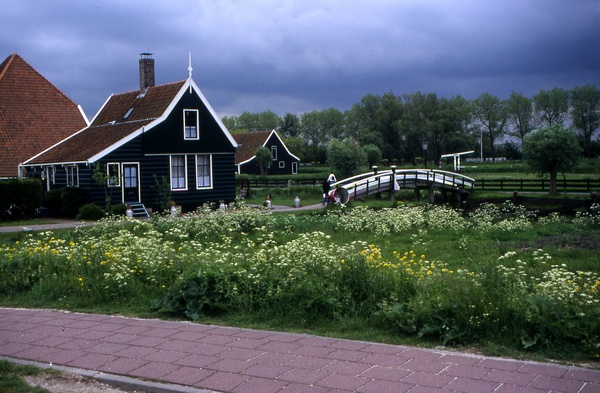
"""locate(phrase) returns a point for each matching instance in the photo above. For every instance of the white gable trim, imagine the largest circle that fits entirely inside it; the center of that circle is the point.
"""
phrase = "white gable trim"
(280, 140)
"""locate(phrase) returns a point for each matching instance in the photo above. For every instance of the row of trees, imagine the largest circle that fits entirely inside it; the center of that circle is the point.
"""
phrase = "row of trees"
(423, 125)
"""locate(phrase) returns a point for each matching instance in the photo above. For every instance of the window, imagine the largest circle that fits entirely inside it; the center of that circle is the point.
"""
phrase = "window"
(72, 175)
(190, 124)
(282, 164)
(274, 152)
(203, 171)
(114, 175)
(294, 168)
(178, 173)
(130, 176)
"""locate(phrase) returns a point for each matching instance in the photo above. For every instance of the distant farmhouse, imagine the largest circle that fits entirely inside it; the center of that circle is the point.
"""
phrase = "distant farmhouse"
(34, 114)
(164, 137)
(284, 162)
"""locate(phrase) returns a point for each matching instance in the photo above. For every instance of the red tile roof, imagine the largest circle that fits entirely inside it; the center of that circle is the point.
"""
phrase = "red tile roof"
(34, 114)
(110, 126)
(248, 143)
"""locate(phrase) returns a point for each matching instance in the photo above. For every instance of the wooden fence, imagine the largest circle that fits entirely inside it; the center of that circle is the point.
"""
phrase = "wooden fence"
(531, 185)
(535, 185)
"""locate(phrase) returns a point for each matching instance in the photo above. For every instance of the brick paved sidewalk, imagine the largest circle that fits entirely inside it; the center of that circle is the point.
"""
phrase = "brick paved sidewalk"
(242, 360)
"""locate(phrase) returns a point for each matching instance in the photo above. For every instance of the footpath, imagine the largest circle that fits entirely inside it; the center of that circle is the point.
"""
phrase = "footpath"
(167, 356)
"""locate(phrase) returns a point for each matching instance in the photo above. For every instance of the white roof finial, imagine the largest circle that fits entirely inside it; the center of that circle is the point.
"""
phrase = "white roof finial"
(190, 69)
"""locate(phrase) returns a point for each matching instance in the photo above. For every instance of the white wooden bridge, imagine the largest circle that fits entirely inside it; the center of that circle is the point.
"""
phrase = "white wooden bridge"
(371, 183)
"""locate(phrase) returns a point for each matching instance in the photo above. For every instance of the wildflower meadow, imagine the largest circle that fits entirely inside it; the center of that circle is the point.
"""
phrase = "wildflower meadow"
(499, 277)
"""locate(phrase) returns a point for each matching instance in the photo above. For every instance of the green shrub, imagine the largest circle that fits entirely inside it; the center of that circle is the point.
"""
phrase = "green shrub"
(19, 198)
(91, 212)
(119, 209)
(71, 199)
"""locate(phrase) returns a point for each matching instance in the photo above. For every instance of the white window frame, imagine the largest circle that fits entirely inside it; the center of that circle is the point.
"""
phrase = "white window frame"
(171, 178)
(294, 168)
(281, 164)
(190, 136)
(72, 172)
(109, 177)
(210, 173)
(274, 152)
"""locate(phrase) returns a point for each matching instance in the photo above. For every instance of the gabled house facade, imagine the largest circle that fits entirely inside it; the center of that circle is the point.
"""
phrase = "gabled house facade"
(284, 162)
(156, 139)
(34, 114)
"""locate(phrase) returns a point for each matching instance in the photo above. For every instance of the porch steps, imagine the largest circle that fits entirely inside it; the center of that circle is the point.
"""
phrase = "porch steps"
(138, 209)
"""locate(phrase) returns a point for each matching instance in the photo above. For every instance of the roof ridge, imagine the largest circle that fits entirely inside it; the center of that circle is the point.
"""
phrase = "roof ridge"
(138, 90)
(8, 61)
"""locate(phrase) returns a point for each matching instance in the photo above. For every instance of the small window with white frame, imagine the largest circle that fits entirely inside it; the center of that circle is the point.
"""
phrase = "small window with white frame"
(178, 172)
(274, 152)
(72, 175)
(282, 164)
(190, 124)
(113, 173)
(203, 171)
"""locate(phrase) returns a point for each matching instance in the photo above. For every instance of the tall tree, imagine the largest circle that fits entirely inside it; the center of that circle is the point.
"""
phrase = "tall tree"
(520, 113)
(263, 159)
(333, 123)
(490, 113)
(290, 125)
(313, 133)
(551, 150)
(585, 113)
(552, 106)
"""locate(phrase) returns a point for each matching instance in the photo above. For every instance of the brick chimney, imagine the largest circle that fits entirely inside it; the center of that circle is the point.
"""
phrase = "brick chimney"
(146, 71)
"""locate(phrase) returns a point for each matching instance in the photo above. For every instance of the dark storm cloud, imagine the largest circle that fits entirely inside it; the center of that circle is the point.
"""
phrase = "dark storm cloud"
(297, 56)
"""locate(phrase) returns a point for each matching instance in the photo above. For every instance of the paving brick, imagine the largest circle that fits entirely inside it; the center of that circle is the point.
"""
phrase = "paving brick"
(509, 377)
(262, 385)
(421, 354)
(459, 359)
(471, 372)
(508, 388)
(500, 364)
(187, 375)
(343, 354)
(284, 337)
(378, 386)
(249, 343)
(302, 388)
(149, 341)
(591, 388)
(349, 345)
(303, 375)
(266, 371)
(222, 382)
(196, 360)
(120, 338)
(384, 349)
(91, 361)
(310, 350)
(584, 375)
(308, 362)
(277, 346)
(343, 382)
(35, 353)
(385, 373)
(383, 359)
(557, 384)
(135, 352)
(153, 370)
(166, 356)
(122, 365)
(106, 348)
(423, 366)
(427, 379)
(467, 385)
(216, 339)
(188, 336)
(542, 369)
(348, 368)
(77, 344)
(230, 365)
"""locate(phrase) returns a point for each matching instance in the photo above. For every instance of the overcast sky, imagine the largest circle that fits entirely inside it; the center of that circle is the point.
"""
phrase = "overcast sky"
(303, 55)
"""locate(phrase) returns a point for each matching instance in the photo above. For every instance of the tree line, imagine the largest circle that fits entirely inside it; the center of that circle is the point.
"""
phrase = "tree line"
(423, 126)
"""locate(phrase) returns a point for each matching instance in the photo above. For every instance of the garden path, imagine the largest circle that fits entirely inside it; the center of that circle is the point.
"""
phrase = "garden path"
(171, 356)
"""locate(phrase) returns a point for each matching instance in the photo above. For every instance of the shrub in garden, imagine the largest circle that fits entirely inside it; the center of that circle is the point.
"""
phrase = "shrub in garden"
(91, 212)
